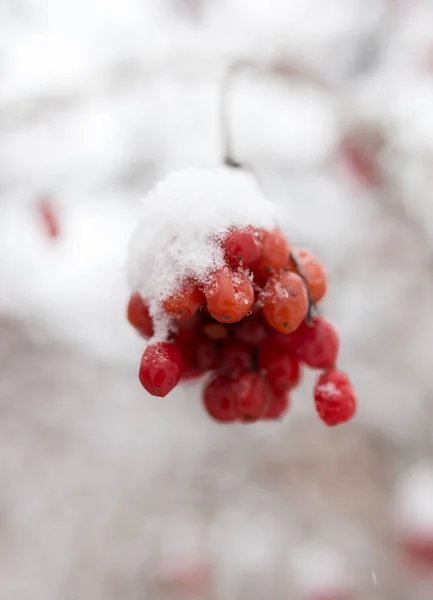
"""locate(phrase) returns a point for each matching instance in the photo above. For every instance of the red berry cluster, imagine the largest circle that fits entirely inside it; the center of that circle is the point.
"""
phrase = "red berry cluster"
(248, 323)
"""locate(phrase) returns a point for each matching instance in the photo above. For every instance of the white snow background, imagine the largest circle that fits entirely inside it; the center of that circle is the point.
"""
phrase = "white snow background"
(105, 492)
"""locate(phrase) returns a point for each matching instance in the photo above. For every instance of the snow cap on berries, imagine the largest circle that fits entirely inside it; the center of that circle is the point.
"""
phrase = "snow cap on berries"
(183, 218)
(414, 501)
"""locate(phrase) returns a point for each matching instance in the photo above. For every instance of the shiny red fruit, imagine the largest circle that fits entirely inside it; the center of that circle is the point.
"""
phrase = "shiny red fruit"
(285, 302)
(229, 295)
(207, 356)
(216, 331)
(185, 302)
(138, 315)
(334, 397)
(275, 251)
(251, 396)
(242, 247)
(235, 358)
(218, 399)
(280, 367)
(317, 346)
(278, 405)
(251, 330)
(160, 368)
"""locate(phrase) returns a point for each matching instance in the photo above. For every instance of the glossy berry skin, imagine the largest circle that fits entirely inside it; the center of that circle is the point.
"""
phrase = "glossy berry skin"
(317, 346)
(185, 302)
(160, 368)
(313, 272)
(207, 355)
(280, 367)
(186, 343)
(235, 358)
(334, 397)
(218, 399)
(216, 331)
(275, 250)
(229, 295)
(49, 217)
(278, 406)
(251, 330)
(418, 550)
(285, 302)
(138, 315)
(251, 396)
(242, 247)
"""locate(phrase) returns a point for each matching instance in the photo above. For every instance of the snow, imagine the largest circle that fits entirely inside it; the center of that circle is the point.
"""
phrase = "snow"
(183, 220)
(414, 501)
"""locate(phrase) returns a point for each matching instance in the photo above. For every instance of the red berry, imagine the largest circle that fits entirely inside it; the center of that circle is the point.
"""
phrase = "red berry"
(235, 358)
(160, 368)
(138, 315)
(251, 330)
(334, 397)
(279, 366)
(313, 272)
(278, 405)
(215, 331)
(218, 399)
(185, 341)
(285, 302)
(275, 251)
(206, 354)
(317, 346)
(242, 247)
(229, 296)
(418, 550)
(49, 217)
(185, 302)
(251, 396)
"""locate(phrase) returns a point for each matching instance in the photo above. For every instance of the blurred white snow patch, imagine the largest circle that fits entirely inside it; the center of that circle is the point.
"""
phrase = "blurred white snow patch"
(320, 572)
(273, 121)
(414, 500)
(75, 287)
(59, 65)
(183, 217)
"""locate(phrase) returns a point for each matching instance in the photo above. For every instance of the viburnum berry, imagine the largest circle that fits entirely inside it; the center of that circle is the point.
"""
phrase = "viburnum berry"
(251, 396)
(138, 315)
(229, 295)
(317, 345)
(186, 341)
(312, 270)
(216, 331)
(235, 358)
(278, 405)
(418, 549)
(251, 330)
(334, 397)
(49, 217)
(185, 302)
(218, 399)
(242, 247)
(160, 368)
(206, 354)
(285, 301)
(275, 251)
(279, 366)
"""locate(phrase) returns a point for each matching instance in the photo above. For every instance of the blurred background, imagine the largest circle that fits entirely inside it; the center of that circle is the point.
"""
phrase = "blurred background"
(108, 494)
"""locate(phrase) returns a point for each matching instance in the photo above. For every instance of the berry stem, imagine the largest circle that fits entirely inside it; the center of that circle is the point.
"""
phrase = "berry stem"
(311, 306)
